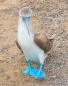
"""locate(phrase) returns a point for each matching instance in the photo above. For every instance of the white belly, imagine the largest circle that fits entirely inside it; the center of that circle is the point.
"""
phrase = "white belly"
(33, 52)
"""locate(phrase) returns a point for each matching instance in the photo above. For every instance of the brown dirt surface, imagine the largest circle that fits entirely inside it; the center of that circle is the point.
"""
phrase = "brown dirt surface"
(50, 16)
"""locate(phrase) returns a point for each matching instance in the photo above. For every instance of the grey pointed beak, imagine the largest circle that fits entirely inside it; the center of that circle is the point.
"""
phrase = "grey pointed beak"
(26, 19)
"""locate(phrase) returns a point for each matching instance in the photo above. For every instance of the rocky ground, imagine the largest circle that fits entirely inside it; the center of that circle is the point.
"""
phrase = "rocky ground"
(50, 16)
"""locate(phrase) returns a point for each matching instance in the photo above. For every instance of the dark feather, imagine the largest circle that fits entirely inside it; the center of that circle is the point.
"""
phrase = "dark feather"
(18, 46)
(42, 41)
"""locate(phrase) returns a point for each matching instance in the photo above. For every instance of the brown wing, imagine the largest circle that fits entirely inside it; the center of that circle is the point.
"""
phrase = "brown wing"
(18, 46)
(42, 41)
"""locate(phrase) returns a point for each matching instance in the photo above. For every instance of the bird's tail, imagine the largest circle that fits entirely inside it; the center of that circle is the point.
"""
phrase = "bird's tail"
(52, 39)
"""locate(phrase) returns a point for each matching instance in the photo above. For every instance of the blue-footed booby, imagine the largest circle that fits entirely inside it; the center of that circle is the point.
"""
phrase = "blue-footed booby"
(33, 46)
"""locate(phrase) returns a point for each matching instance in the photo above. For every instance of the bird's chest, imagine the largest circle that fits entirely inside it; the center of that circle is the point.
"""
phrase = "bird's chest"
(24, 39)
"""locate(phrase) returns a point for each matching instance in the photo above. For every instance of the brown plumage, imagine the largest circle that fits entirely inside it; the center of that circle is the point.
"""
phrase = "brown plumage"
(18, 46)
(42, 41)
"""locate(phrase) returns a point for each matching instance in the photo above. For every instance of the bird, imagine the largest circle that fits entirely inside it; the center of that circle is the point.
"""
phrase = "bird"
(34, 46)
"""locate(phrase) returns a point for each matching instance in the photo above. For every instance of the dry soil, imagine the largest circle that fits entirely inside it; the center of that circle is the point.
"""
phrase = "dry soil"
(50, 16)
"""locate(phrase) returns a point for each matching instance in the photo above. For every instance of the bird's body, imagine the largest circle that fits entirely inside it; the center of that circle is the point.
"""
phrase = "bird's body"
(29, 47)
(32, 45)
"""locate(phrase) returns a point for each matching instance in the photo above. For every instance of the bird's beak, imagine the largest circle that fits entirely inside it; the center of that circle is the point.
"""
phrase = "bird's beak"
(26, 19)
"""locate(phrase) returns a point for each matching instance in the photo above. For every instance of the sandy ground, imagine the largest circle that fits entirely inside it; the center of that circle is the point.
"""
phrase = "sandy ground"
(50, 16)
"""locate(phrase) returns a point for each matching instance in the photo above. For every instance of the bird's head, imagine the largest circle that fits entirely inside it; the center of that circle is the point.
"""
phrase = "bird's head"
(25, 14)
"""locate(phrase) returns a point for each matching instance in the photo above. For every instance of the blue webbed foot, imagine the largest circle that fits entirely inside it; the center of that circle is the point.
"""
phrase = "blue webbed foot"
(33, 71)
(30, 71)
(27, 71)
(39, 73)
